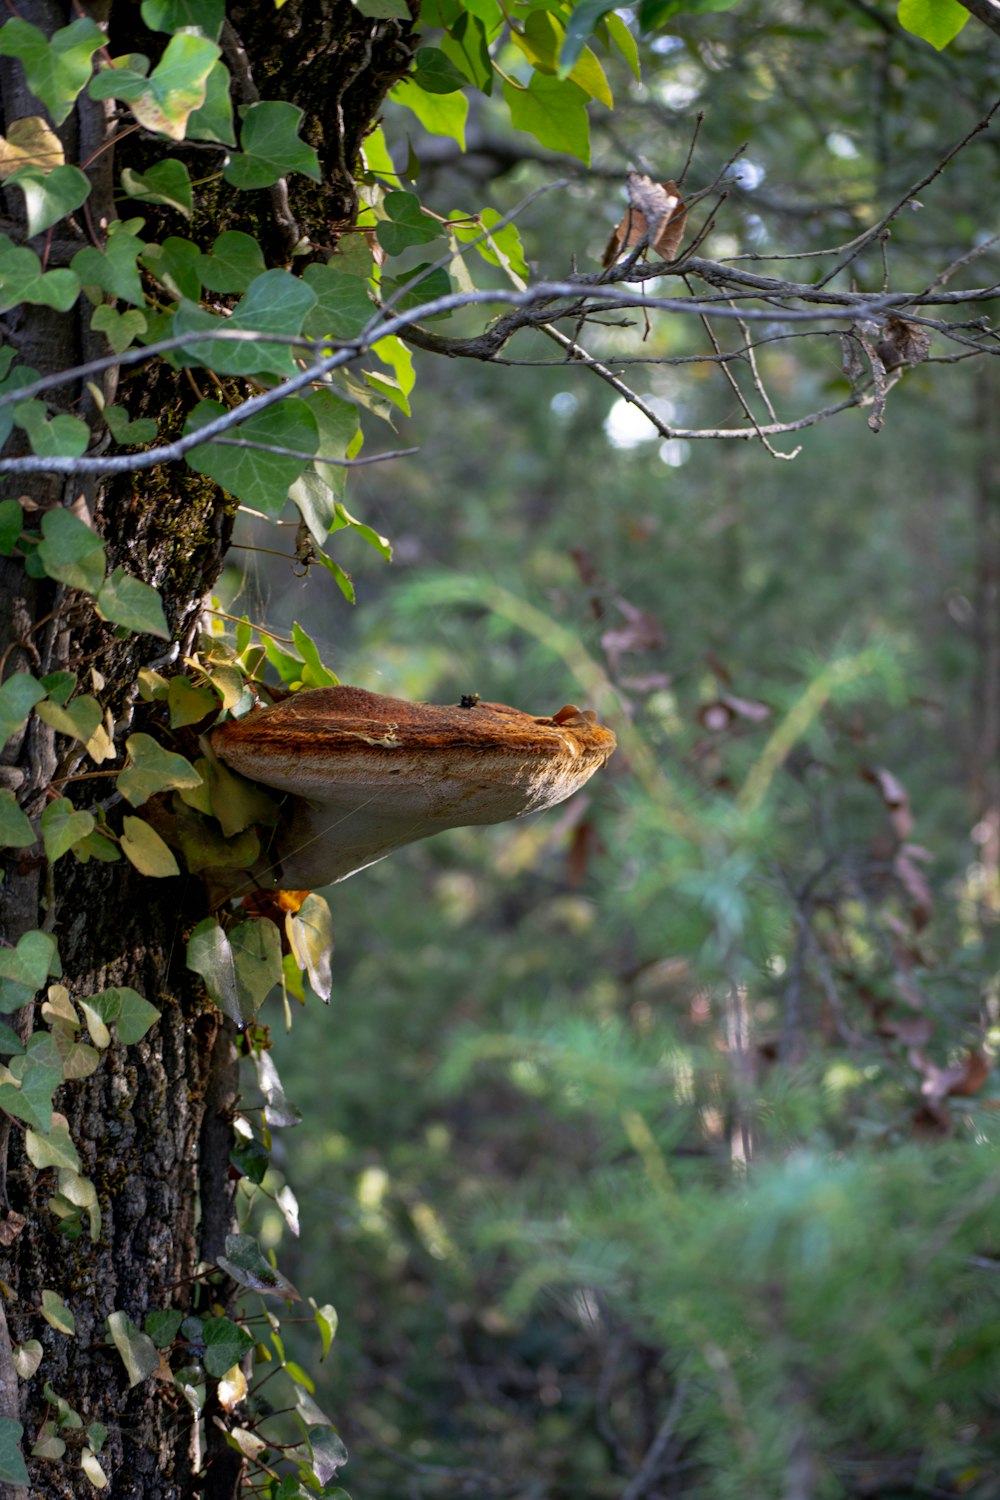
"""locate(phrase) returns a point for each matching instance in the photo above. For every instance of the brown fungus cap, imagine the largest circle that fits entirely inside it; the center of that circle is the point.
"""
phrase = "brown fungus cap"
(369, 773)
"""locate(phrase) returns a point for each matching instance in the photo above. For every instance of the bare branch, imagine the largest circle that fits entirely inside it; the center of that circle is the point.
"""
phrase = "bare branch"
(987, 11)
(856, 246)
(315, 458)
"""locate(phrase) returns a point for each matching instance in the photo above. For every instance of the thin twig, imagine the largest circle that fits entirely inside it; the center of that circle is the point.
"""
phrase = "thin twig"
(314, 458)
(652, 1464)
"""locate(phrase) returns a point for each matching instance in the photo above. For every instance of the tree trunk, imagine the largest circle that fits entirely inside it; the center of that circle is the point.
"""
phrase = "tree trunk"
(152, 1124)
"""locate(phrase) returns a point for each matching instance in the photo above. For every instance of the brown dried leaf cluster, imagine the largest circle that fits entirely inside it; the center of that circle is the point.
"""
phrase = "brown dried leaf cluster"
(902, 343)
(655, 218)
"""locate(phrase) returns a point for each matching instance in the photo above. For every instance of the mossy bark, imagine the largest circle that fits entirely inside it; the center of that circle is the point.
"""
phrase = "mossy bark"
(152, 1123)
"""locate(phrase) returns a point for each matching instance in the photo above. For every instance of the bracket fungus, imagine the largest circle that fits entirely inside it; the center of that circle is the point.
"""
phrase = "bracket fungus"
(366, 773)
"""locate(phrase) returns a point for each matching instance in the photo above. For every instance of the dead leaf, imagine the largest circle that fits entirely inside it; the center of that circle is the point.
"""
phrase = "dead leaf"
(584, 844)
(894, 796)
(722, 711)
(914, 883)
(641, 631)
(11, 1225)
(902, 343)
(655, 218)
(30, 142)
(957, 1080)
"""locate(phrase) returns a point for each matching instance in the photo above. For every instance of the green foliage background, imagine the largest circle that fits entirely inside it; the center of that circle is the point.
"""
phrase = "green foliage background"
(546, 1251)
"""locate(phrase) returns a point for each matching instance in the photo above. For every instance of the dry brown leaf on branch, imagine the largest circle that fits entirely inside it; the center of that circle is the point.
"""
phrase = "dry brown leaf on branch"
(902, 343)
(655, 217)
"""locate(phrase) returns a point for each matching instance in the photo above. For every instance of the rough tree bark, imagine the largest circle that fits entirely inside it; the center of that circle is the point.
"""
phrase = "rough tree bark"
(152, 1123)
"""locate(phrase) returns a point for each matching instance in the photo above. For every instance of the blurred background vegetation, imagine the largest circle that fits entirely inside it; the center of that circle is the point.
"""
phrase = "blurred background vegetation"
(649, 1146)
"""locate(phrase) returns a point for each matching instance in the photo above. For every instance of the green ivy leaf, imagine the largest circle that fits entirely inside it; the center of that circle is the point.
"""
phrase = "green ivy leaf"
(554, 111)
(132, 1015)
(440, 114)
(128, 601)
(407, 225)
(270, 147)
(581, 25)
(18, 696)
(120, 330)
(71, 552)
(328, 1452)
(77, 1059)
(37, 1074)
(541, 42)
(383, 10)
(259, 479)
(249, 1267)
(188, 704)
(235, 802)
(61, 437)
(175, 266)
(278, 1110)
(374, 538)
(82, 1194)
(225, 1345)
(466, 45)
(326, 1321)
(58, 68)
(162, 1324)
(315, 674)
(97, 1435)
(234, 261)
(423, 285)
(11, 525)
(16, 831)
(91, 1466)
(143, 848)
(251, 1158)
(172, 92)
(214, 120)
(32, 961)
(27, 1358)
(166, 182)
(276, 302)
(113, 269)
(339, 436)
(435, 73)
(256, 948)
(22, 278)
(48, 1444)
(210, 955)
(123, 429)
(172, 15)
(60, 686)
(310, 936)
(63, 826)
(934, 21)
(53, 1149)
(13, 1469)
(138, 1352)
(343, 307)
(502, 247)
(50, 196)
(316, 503)
(99, 1033)
(153, 769)
(78, 719)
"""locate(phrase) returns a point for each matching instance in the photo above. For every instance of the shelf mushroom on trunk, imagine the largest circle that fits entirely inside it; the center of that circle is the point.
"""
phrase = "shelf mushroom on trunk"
(365, 773)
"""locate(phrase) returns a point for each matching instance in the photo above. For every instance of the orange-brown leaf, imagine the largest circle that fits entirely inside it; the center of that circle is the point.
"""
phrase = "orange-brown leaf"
(655, 217)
